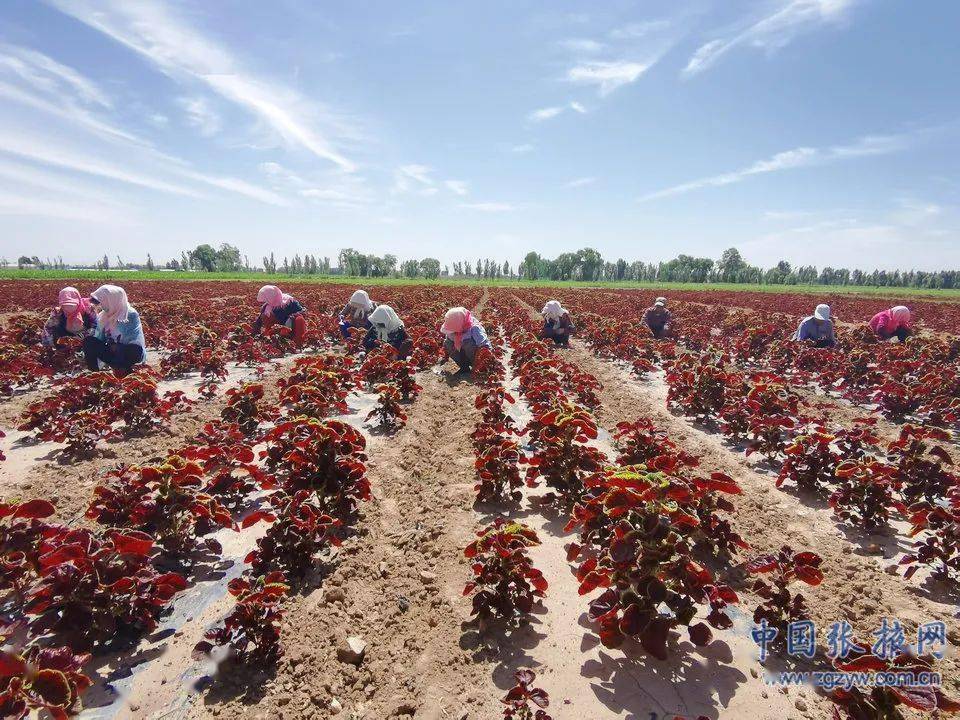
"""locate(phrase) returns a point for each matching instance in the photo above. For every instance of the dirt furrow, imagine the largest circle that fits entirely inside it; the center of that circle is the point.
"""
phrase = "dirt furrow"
(858, 586)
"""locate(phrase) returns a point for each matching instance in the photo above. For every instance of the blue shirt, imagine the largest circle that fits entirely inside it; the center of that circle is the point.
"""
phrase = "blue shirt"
(817, 330)
(129, 332)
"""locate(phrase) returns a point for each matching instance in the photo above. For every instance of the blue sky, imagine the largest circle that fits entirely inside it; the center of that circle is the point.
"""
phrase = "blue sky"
(819, 131)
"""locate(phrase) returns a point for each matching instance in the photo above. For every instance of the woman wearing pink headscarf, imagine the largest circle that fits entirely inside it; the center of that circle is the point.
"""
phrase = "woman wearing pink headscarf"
(894, 322)
(279, 308)
(463, 336)
(72, 317)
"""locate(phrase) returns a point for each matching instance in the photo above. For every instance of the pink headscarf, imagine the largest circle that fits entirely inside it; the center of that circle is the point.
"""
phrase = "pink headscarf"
(900, 316)
(73, 306)
(456, 322)
(272, 297)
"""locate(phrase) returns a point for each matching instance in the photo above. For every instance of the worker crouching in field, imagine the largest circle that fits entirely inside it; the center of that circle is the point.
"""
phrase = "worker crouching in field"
(557, 325)
(817, 328)
(356, 313)
(892, 323)
(464, 335)
(658, 318)
(387, 327)
(74, 316)
(118, 340)
(278, 308)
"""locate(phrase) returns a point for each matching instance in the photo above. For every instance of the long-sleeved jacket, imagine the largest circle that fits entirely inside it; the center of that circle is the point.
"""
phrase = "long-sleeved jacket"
(129, 332)
(56, 326)
(563, 323)
(396, 338)
(656, 317)
(820, 331)
(280, 314)
(477, 334)
(884, 324)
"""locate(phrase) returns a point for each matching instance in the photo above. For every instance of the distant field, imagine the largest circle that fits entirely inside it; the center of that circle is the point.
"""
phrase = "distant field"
(278, 278)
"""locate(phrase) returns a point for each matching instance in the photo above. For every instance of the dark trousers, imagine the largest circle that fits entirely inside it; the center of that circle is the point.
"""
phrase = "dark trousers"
(560, 336)
(120, 356)
(464, 356)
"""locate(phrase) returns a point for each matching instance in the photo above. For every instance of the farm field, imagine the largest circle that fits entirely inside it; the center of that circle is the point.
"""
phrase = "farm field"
(251, 529)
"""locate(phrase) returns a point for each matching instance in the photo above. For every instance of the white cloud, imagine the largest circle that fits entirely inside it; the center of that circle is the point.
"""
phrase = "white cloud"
(866, 146)
(13, 204)
(413, 178)
(201, 115)
(524, 148)
(545, 113)
(184, 54)
(634, 31)
(608, 75)
(491, 207)
(46, 75)
(548, 113)
(457, 187)
(582, 45)
(580, 182)
(772, 31)
(44, 149)
(336, 188)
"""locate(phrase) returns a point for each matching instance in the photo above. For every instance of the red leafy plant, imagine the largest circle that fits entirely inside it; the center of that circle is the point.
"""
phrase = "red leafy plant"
(326, 456)
(641, 441)
(318, 386)
(885, 702)
(22, 530)
(498, 473)
(639, 546)
(252, 629)
(165, 501)
(226, 457)
(388, 413)
(524, 701)
(91, 591)
(47, 679)
(812, 458)
(244, 407)
(864, 493)
(505, 583)
(780, 606)
(299, 532)
(563, 458)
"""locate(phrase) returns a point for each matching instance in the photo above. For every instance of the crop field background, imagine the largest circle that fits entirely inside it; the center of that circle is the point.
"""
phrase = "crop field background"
(248, 529)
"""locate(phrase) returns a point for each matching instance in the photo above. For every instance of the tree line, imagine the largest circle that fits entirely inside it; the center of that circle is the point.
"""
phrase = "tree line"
(585, 264)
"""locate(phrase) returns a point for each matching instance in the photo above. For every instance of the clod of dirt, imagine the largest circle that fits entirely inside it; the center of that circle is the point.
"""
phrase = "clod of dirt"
(352, 650)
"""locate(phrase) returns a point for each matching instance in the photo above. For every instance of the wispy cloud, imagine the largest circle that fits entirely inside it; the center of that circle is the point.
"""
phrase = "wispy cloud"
(549, 113)
(457, 187)
(634, 31)
(869, 145)
(201, 115)
(607, 76)
(523, 148)
(772, 31)
(15, 204)
(335, 188)
(45, 150)
(414, 178)
(580, 182)
(490, 207)
(582, 45)
(43, 73)
(185, 54)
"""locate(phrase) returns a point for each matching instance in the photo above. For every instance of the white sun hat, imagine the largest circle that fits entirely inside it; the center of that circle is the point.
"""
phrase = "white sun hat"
(822, 312)
(660, 301)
